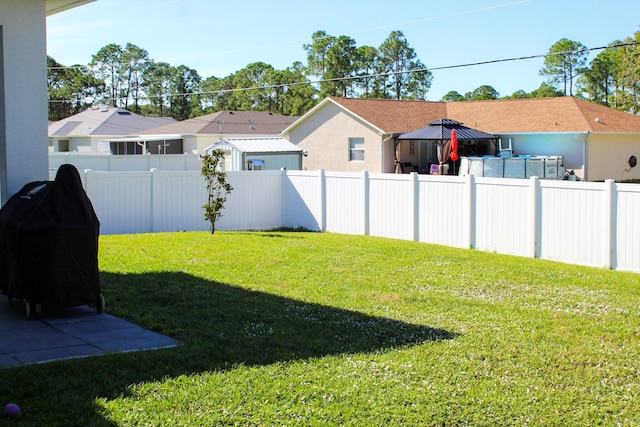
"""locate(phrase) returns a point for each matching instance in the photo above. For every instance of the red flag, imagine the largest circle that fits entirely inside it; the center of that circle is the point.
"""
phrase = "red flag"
(454, 146)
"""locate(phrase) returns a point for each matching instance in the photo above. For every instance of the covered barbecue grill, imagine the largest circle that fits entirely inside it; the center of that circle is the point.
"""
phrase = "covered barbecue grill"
(49, 245)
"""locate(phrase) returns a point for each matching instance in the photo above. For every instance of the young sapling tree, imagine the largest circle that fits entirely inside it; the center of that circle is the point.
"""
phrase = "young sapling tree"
(217, 186)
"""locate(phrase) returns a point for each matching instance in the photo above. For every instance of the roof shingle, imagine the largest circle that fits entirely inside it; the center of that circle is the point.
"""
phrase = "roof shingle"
(394, 116)
(562, 114)
(105, 121)
(229, 123)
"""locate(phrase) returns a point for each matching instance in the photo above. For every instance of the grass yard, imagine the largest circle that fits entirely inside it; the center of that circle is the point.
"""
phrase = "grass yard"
(310, 329)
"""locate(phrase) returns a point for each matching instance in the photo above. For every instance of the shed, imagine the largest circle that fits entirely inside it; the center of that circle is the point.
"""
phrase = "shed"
(269, 153)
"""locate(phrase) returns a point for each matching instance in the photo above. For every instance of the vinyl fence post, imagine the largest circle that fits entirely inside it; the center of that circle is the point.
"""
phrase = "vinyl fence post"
(415, 203)
(365, 201)
(283, 207)
(535, 217)
(85, 179)
(153, 189)
(470, 208)
(609, 224)
(323, 200)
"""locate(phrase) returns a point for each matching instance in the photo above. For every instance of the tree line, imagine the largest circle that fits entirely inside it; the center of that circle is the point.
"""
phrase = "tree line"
(335, 66)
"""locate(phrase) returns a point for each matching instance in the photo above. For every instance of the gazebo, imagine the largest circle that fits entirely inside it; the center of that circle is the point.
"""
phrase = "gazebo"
(438, 136)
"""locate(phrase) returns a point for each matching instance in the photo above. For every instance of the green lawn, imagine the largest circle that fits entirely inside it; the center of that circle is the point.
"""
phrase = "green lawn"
(311, 329)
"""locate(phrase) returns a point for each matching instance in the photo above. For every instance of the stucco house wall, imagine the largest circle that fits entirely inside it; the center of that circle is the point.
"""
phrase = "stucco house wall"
(196, 144)
(74, 143)
(23, 91)
(23, 95)
(608, 156)
(325, 136)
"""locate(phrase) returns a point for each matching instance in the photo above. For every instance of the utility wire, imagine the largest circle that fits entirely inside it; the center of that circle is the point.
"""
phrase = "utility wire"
(375, 75)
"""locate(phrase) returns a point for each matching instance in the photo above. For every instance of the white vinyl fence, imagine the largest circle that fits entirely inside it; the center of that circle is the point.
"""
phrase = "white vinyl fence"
(107, 162)
(584, 223)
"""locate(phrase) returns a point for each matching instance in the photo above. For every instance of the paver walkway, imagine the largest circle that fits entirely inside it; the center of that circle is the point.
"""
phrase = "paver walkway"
(65, 333)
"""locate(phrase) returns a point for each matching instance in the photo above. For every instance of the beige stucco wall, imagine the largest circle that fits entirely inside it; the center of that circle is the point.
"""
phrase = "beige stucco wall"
(325, 135)
(23, 95)
(608, 157)
(196, 144)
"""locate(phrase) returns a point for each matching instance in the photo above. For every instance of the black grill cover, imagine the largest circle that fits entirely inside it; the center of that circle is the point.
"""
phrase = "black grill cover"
(49, 243)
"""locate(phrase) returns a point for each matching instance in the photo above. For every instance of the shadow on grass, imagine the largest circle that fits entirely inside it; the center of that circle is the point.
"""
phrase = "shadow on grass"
(220, 326)
(237, 325)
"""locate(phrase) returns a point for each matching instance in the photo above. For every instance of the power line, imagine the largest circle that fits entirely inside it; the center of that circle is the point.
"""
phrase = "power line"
(375, 75)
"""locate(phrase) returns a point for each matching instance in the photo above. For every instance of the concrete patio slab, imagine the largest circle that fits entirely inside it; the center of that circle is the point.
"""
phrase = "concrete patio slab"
(65, 333)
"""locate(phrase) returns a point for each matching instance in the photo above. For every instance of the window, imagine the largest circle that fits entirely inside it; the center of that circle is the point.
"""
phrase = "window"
(356, 149)
(255, 165)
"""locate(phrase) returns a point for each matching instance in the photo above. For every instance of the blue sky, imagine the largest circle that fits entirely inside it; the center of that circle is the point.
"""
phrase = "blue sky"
(217, 38)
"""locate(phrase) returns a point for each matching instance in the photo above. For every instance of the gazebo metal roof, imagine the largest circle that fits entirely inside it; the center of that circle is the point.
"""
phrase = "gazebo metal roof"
(441, 130)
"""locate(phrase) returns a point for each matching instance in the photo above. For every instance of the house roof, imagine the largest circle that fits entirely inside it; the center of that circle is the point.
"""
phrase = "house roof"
(530, 115)
(230, 123)
(257, 145)
(560, 114)
(56, 6)
(108, 121)
(393, 116)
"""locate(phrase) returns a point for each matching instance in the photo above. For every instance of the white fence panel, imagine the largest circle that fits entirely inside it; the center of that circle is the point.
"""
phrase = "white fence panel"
(443, 213)
(98, 162)
(345, 202)
(178, 199)
(56, 160)
(121, 163)
(303, 200)
(502, 208)
(174, 162)
(572, 222)
(627, 232)
(122, 200)
(582, 223)
(255, 202)
(129, 163)
(391, 206)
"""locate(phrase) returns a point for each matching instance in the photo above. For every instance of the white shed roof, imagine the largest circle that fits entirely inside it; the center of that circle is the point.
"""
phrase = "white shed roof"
(257, 145)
